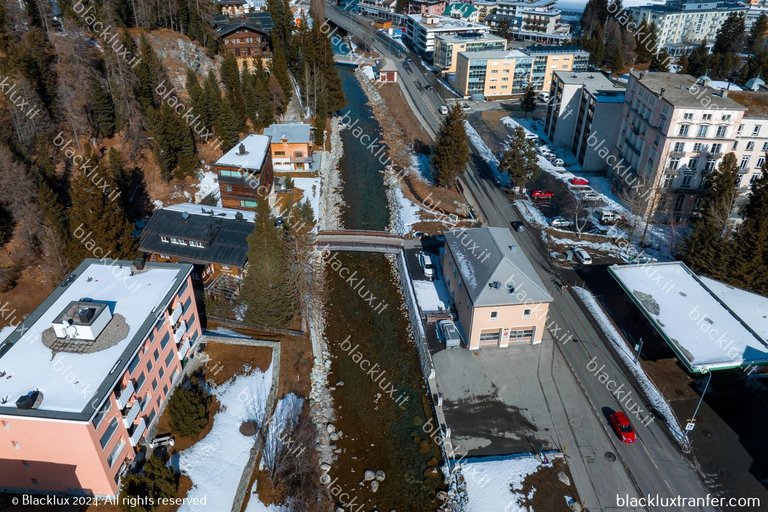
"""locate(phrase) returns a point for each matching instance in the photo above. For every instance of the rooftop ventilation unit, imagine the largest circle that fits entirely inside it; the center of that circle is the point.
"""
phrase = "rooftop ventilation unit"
(31, 400)
(185, 215)
(241, 149)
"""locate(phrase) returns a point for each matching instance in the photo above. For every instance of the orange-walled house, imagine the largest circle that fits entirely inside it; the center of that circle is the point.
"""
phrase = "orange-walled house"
(245, 171)
(292, 146)
(499, 298)
(87, 374)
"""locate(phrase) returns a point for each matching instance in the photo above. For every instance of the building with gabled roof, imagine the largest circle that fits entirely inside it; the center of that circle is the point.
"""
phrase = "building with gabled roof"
(498, 296)
(244, 170)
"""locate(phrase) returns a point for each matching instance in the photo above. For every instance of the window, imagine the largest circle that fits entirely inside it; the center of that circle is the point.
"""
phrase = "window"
(107, 435)
(247, 204)
(164, 341)
(25, 463)
(697, 147)
(161, 372)
(489, 335)
(149, 366)
(756, 130)
(693, 163)
(750, 146)
(163, 238)
(702, 132)
(519, 334)
(194, 243)
(679, 202)
(668, 180)
(188, 303)
(684, 130)
(716, 149)
(151, 416)
(726, 117)
(165, 390)
(721, 131)
(687, 178)
(760, 162)
(765, 147)
(735, 145)
(168, 359)
(688, 115)
(754, 178)
(115, 453)
(527, 313)
(673, 164)
(6, 424)
(231, 174)
(279, 153)
(178, 241)
(679, 147)
(15, 445)
(154, 384)
(140, 381)
(710, 165)
(101, 414)
(744, 163)
(229, 188)
(698, 203)
(156, 355)
(494, 315)
(740, 129)
(707, 117)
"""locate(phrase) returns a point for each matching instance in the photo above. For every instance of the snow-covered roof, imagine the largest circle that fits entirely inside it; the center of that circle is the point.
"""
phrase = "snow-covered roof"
(249, 153)
(494, 268)
(710, 325)
(212, 211)
(73, 384)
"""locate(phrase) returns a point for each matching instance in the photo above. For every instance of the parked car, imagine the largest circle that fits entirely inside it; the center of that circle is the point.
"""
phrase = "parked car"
(162, 440)
(543, 96)
(542, 194)
(465, 107)
(518, 226)
(444, 110)
(607, 216)
(428, 87)
(560, 222)
(448, 333)
(579, 181)
(427, 266)
(590, 195)
(623, 428)
(582, 256)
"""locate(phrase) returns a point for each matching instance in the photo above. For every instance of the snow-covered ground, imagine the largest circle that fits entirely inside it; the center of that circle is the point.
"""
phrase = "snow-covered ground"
(432, 295)
(215, 463)
(283, 420)
(208, 184)
(311, 188)
(493, 483)
(368, 72)
(650, 391)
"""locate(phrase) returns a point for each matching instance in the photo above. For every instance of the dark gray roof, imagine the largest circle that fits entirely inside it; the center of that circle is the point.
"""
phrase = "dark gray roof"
(256, 21)
(485, 256)
(225, 239)
(684, 91)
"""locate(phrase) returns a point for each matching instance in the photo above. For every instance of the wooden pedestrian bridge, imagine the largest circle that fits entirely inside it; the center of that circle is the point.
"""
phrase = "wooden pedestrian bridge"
(359, 241)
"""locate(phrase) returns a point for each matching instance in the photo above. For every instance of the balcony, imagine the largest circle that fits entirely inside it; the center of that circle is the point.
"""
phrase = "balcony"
(677, 153)
(183, 349)
(133, 412)
(125, 395)
(137, 431)
(176, 314)
(179, 331)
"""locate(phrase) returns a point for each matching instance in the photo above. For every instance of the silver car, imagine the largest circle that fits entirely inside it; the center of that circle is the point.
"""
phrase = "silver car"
(448, 333)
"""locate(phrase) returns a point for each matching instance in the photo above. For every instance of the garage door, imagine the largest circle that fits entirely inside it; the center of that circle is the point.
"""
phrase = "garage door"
(521, 334)
(490, 337)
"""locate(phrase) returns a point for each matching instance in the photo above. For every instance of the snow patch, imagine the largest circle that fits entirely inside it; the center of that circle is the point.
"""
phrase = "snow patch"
(208, 185)
(492, 483)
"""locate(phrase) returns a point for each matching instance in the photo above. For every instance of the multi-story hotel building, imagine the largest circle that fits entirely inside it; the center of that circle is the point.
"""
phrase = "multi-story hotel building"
(683, 24)
(675, 130)
(86, 375)
(421, 31)
(448, 46)
(581, 105)
(503, 73)
(537, 21)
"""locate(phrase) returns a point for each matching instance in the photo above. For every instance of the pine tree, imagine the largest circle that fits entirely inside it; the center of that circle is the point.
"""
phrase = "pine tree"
(212, 102)
(697, 60)
(195, 91)
(528, 101)
(148, 73)
(228, 127)
(279, 68)
(268, 300)
(118, 175)
(616, 63)
(102, 109)
(451, 154)
(55, 221)
(660, 61)
(730, 36)
(749, 261)
(173, 143)
(230, 74)
(707, 247)
(319, 124)
(682, 63)
(757, 35)
(643, 51)
(520, 160)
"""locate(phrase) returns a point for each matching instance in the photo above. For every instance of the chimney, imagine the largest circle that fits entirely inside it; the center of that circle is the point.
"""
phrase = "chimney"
(661, 93)
(724, 93)
(241, 149)
(139, 263)
(682, 87)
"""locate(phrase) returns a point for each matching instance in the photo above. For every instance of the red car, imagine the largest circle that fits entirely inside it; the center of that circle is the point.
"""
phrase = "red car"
(579, 181)
(623, 427)
(542, 194)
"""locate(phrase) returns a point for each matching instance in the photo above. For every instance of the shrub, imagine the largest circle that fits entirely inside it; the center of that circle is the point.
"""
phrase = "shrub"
(188, 408)
(156, 481)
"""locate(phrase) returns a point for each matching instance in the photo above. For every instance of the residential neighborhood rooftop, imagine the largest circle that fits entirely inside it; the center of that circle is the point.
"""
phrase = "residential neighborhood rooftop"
(249, 153)
(685, 91)
(494, 267)
(71, 385)
(290, 132)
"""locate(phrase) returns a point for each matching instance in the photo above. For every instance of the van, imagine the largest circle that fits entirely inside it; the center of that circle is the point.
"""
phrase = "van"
(444, 110)
(543, 96)
(607, 216)
(582, 256)
(427, 266)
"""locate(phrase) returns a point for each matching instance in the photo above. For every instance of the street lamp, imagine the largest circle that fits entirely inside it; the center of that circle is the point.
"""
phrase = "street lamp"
(692, 422)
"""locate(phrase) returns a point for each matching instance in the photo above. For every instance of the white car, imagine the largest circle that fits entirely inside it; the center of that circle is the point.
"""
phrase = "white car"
(427, 266)
(560, 222)
(465, 107)
(448, 333)
(582, 256)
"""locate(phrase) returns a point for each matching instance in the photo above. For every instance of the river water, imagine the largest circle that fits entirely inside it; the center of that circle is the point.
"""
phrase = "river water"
(381, 408)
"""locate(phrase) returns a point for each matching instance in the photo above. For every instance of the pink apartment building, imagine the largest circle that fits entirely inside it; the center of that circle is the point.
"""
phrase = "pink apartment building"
(499, 298)
(86, 375)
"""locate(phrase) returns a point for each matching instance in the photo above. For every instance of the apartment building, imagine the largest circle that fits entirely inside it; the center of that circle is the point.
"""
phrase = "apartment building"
(484, 8)
(448, 46)
(427, 7)
(674, 131)
(243, 170)
(537, 21)
(582, 114)
(291, 147)
(751, 144)
(503, 73)
(87, 374)
(421, 31)
(461, 11)
(683, 24)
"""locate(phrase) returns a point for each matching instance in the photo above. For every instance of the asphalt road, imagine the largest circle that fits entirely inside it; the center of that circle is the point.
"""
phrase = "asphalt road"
(654, 464)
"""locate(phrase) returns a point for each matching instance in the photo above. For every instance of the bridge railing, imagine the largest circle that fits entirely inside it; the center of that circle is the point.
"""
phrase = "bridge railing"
(359, 232)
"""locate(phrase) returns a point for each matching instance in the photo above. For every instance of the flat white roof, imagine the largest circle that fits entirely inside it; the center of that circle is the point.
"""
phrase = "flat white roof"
(71, 382)
(710, 325)
(211, 211)
(256, 147)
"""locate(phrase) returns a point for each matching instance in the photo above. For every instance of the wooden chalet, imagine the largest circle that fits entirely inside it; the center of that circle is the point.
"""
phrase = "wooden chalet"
(243, 171)
(247, 36)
